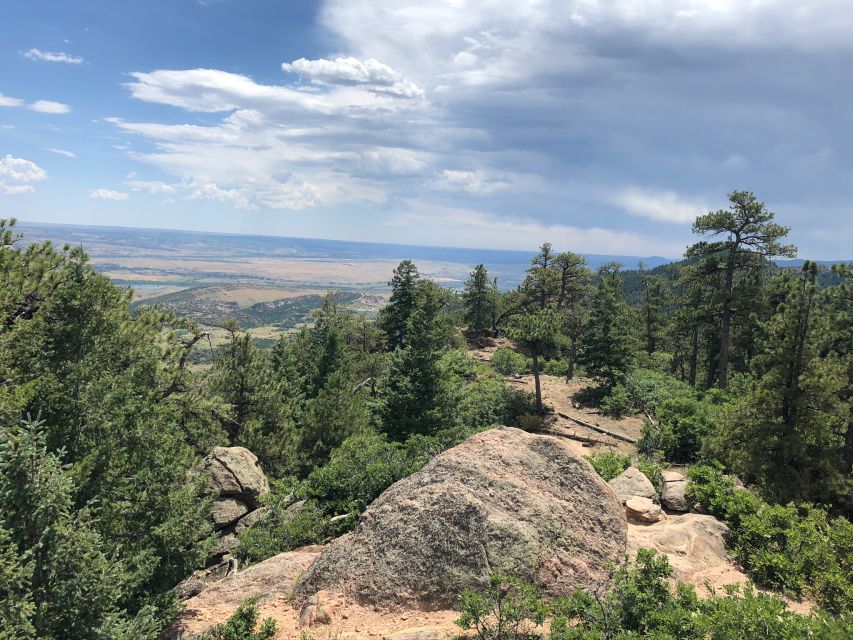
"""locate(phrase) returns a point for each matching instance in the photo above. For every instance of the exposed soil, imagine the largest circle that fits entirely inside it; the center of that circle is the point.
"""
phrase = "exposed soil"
(562, 397)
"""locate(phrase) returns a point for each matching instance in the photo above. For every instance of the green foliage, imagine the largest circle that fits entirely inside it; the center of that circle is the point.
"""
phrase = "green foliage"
(359, 470)
(394, 317)
(640, 603)
(652, 470)
(507, 609)
(617, 402)
(243, 625)
(557, 368)
(788, 433)
(609, 464)
(16, 599)
(796, 549)
(508, 362)
(286, 526)
(415, 395)
(480, 300)
(606, 351)
(67, 584)
(120, 419)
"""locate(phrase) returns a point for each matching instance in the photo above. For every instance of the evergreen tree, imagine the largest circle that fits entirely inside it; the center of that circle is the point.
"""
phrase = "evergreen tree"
(479, 303)
(537, 331)
(573, 276)
(394, 317)
(654, 298)
(336, 413)
(415, 394)
(788, 433)
(256, 414)
(606, 351)
(752, 239)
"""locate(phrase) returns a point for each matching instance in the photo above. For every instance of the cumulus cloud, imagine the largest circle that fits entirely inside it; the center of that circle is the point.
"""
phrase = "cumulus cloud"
(558, 108)
(49, 106)
(18, 174)
(370, 74)
(50, 56)
(665, 206)
(107, 194)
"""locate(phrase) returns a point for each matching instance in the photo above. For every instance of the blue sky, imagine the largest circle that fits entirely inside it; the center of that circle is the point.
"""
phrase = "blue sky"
(604, 127)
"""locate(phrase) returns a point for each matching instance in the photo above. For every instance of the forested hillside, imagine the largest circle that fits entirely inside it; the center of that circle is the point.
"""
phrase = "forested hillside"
(741, 371)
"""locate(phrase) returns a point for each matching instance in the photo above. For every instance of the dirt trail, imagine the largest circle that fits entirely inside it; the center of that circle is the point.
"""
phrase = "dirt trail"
(561, 396)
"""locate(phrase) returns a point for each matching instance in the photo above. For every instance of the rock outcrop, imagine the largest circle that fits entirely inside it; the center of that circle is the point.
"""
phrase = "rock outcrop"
(633, 483)
(672, 495)
(503, 501)
(238, 482)
(235, 473)
(695, 545)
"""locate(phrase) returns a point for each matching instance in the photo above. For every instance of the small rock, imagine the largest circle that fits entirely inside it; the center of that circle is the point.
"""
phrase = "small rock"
(643, 510)
(672, 496)
(227, 510)
(251, 519)
(224, 545)
(234, 471)
(633, 483)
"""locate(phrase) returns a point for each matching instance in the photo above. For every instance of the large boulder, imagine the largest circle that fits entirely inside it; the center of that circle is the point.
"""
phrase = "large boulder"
(503, 501)
(643, 511)
(235, 473)
(633, 483)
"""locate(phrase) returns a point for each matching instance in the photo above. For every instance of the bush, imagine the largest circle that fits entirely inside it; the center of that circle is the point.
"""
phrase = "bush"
(488, 402)
(242, 625)
(358, 471)
(616, 403)
(797, 549)
(508, 362)
(653, 471)
(284, 528)
(609, 464)
(507, 609)
(640, 603)
(555, 368)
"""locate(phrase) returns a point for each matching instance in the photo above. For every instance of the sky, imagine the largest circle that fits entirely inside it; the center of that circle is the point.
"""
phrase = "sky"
(602, 126)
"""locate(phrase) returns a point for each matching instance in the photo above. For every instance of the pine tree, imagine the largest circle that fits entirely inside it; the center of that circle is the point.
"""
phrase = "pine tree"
(654, 298)
(415, 394)
(394, 317)
(752, 240)
(787, 434)
(606, 351)
(537, 331)
(573, 276)
(479, 303)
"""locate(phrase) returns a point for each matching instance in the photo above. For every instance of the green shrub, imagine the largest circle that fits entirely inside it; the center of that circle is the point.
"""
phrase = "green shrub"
(358, 471)
(487, 402)
(609, 464)
(648, 389)
(507, 609)
(652, 470)
(617, 403)
(555, 368)
(508, 362)
(797, 549)
(242, 625)
(286, 527)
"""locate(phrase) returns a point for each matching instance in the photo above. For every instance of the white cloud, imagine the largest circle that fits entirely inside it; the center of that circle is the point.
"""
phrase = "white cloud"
(49, 56)
(61, 152)
(371, 74)
(151, 186)
(6, 101)
(454, 226)
(49, 106)
(107, 194)
(665, 206)
(17, 174)
(473, 182)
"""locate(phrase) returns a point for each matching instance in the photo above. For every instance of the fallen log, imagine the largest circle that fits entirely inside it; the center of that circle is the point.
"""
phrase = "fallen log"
(595, 427)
